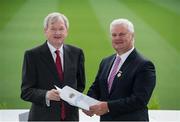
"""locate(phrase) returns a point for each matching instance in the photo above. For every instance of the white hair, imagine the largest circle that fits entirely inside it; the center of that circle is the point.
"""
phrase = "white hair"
(53, 17)
(122, 21)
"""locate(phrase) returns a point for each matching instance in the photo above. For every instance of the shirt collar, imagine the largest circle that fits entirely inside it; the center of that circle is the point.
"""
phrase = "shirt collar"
(125, 55)
(53, 49)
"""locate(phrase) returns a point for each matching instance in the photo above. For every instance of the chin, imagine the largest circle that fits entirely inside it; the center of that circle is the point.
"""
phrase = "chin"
(118, 47)
(58, 41)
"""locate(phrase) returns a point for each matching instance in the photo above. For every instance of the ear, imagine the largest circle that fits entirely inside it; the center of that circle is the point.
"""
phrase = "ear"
(132, 36)
(66, 32)
(45, 29)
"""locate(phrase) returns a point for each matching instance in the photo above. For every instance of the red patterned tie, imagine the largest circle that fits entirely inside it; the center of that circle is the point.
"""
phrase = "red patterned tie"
(61, 77)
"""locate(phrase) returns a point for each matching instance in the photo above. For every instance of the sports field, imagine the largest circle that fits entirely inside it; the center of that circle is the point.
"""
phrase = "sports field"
(157, 36)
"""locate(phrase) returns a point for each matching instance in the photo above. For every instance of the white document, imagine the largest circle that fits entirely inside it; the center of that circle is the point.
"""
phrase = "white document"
(75, 98)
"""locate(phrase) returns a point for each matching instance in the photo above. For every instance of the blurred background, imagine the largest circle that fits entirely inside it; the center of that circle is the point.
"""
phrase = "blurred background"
(157, 37)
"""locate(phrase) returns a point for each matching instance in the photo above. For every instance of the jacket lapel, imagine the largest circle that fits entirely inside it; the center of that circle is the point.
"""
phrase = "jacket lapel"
(109, 66)
(48, 59)
(110, 63)
(66, 61)
(128, 61)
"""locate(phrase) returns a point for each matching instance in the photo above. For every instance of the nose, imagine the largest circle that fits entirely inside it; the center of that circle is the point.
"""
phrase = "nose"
(117, 37)
(58, 32)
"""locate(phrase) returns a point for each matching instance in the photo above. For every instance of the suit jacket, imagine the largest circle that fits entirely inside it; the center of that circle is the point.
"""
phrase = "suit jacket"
(130, 93)
(39, 74)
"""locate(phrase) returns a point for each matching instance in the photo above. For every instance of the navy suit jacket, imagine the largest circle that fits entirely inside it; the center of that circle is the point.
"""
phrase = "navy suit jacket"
(130, 93)
(39, 74)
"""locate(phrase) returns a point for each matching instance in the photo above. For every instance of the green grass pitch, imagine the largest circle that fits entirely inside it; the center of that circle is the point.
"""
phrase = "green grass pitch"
(157, 36)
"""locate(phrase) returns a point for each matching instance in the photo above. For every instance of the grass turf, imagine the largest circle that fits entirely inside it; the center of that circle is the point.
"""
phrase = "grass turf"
(156, 29)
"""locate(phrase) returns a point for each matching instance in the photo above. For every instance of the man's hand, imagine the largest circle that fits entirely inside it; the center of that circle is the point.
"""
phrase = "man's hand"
(100, 108)
(53, 94)
(89, 113)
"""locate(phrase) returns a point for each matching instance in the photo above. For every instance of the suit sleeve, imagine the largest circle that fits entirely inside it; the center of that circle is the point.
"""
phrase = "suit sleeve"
(144, 84)
(81, 73)
(29, 88)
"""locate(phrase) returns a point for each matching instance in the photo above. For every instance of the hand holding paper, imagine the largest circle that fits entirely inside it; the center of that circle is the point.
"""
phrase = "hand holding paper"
(53, 94)
(100, 108)
(75, 98)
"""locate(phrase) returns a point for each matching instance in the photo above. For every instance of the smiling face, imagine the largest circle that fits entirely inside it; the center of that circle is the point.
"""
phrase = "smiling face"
(56, 32)
(122, 38)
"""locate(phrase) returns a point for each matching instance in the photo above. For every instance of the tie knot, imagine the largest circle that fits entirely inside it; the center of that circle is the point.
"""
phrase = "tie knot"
(118, 58)
(57, 52)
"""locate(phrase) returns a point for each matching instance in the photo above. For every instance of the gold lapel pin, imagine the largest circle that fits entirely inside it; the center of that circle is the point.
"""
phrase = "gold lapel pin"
(119, 74)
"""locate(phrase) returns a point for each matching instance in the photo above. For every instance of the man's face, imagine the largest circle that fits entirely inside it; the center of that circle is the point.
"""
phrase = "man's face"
(56, 33)
(122, 38)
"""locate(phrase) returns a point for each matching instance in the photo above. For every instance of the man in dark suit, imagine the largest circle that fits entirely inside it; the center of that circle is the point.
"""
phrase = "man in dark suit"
(125, 80)
(52, 63)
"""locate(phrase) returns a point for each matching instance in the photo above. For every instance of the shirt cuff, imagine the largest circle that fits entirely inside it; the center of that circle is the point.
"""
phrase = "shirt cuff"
(107, 107)
(47, 101)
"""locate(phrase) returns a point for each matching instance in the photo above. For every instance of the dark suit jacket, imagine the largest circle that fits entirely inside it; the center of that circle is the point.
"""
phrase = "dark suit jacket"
(130, 92)
(39, 74)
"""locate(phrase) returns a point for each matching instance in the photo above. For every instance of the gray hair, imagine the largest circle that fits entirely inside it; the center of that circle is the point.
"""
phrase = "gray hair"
(53, 17)
(123, 22)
